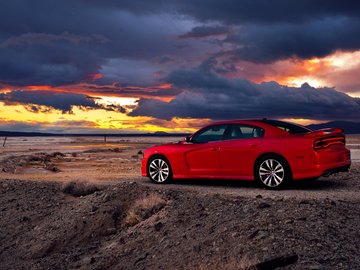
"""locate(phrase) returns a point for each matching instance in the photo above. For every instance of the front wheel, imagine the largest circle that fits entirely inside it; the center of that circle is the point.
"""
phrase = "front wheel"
(159, 170)
(272, 172)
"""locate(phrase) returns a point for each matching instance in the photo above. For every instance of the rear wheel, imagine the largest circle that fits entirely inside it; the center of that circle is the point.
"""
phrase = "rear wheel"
(272, 172)
(159, 170)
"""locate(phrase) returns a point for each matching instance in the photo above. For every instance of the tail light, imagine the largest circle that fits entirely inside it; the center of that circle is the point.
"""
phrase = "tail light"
(326, 142)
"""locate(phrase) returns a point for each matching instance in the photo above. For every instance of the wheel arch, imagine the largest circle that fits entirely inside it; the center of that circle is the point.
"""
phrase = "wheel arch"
(271, 154)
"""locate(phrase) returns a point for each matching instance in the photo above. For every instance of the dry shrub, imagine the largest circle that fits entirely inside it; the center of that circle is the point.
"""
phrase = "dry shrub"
(144, 208)
(78, 189)
(57, 154)
(132, 218)
(37, 158)
(95, 150)
(43, 157)
(52, 168)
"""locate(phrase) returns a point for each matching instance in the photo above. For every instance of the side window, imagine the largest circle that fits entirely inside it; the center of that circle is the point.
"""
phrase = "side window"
(210, 134)
(238, 131)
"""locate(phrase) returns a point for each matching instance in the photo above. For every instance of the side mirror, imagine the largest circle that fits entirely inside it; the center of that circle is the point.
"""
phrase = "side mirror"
(188, 139)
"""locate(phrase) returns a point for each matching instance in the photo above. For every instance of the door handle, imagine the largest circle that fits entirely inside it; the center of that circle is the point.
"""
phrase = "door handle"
(215, 149)
(253, 145)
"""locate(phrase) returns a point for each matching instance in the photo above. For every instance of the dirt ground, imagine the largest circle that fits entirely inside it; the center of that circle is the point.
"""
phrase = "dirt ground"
(80, 203)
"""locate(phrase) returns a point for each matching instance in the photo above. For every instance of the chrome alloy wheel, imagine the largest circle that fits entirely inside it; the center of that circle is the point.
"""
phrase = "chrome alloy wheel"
(271, 173)
(159, 170)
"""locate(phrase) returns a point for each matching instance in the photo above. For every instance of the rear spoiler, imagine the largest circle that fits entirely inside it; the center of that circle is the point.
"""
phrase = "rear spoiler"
(325, 131)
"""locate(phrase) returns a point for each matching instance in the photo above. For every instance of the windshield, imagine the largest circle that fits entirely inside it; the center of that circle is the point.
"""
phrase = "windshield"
(288, 127)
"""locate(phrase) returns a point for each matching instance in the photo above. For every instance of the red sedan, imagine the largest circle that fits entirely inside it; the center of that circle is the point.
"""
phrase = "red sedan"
(269, 151)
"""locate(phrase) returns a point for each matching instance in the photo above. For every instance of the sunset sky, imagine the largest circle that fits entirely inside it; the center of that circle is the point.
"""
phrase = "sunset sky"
(143, 66)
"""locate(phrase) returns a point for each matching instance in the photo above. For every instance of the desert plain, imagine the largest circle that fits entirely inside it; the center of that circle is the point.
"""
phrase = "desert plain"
(81, 203)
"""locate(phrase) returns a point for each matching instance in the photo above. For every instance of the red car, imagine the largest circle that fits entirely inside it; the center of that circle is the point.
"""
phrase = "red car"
(269, 151)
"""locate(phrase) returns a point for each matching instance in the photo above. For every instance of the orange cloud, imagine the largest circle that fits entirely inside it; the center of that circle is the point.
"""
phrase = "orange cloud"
(165, 86)
(39, 87)
(337, 70)
(165, 92)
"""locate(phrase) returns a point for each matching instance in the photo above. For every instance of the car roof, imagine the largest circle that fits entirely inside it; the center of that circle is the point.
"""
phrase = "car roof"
(238, 121)
(270, 129)
(267, 124)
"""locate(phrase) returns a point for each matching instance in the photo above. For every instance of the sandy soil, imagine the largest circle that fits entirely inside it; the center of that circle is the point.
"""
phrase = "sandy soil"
(69, 203)
(84, 159)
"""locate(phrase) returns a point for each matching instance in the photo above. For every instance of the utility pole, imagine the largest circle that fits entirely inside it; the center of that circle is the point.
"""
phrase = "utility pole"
(4, 141)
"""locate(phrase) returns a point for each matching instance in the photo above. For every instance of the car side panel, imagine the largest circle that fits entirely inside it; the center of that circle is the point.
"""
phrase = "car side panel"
(202, 159)
(237, 157)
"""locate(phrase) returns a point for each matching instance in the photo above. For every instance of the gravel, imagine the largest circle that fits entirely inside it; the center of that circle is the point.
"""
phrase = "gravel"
(41, 227)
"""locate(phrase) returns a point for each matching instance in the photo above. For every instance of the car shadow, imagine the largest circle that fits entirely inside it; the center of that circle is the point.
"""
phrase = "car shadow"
(215, 183)
(319, 184)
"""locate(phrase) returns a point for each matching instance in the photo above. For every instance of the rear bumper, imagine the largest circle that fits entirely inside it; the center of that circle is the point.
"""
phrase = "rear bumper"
(323, 170)
(336, 170)
(326, 163)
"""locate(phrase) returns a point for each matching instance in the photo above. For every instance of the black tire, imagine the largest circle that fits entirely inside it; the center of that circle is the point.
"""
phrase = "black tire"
(272, 172)
(159, 170)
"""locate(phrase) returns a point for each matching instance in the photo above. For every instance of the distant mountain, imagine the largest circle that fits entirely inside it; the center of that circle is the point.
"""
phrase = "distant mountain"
(349, 127)
(161, 133)
(23, 134)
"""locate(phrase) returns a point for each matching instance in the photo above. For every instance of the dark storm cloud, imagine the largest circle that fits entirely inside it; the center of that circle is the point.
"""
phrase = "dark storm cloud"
(357, 100)
(43, 101)
(263, 11)
(128, 90)
(205, 31)
(56, 100)
(57, 42)
(37, 108)
(62, 42)
(40, 38)
(52, 64)
(209, 96)
(279, 29)
(273, 30)
(317, 38)
(165, 59)
(237, 11)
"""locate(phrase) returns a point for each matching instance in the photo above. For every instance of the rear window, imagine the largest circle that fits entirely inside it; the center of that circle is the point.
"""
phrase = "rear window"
(240, 131)
(288, 127)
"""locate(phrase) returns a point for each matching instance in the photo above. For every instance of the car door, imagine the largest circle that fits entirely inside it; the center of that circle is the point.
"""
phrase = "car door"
(239, 150)
(202, 153)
